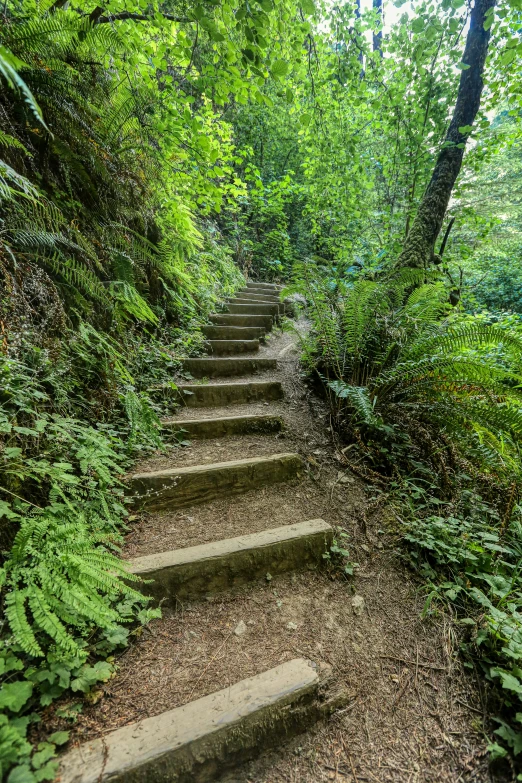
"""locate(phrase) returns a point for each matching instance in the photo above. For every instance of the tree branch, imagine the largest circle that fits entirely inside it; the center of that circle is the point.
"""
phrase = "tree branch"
(446, 235)
(137, 18)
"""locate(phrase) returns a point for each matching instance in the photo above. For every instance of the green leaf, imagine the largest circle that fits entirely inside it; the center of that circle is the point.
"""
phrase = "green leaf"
(509, 682)
(465, 129)
(305, 119)
(507, 57)
(462, 66)
(14, 695)
(308, 7)
(21, 774)
(59, 737)
(279, 68)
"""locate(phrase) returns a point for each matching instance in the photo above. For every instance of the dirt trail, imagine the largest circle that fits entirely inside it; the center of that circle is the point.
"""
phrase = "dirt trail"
(412, 715)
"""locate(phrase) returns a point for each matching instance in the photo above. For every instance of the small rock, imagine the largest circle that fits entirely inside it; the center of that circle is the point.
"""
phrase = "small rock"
(358, 604)
(291, 626)
(240, 628)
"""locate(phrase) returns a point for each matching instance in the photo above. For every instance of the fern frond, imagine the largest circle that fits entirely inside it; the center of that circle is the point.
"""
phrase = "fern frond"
(16, 614)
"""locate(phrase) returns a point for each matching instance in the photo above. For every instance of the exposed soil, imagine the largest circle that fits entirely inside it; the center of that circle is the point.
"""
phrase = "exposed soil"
(413, 715)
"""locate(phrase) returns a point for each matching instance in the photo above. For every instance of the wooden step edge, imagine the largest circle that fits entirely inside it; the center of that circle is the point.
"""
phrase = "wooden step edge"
(259, 284)
(222, 366)
(228, 347)
(180, 487)
(219, 566)
(253, 309)
(204, 738)
(224, 425)
(233, 332)
(217, 395)
(252, 295)
(243, 319)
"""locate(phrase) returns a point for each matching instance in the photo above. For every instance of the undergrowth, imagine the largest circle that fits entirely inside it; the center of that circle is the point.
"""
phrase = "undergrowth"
(427, 405)
(74, 413)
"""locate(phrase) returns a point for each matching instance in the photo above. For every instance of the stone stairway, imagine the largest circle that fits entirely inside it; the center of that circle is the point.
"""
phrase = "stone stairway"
(203, 738)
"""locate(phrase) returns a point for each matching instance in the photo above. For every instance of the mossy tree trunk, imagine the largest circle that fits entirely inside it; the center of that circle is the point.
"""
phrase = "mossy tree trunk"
(419, 246)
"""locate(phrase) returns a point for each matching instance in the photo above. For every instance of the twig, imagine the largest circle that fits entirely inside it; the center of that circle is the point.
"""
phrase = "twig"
(210, 663)
(469, 707)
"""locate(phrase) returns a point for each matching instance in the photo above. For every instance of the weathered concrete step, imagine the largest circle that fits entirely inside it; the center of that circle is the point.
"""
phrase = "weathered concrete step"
(253, 309)
(225, 425)
(224, 565)
(218, 395)
(179, 487)
(253, 294)
(280, 305)
(234, 333)
(223, 347)
(199, 741)
(225, 367)
(258, 284)
(229, 319)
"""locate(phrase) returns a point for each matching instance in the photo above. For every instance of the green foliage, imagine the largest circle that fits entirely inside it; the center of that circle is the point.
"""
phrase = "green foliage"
(397, 361)
(430, 401)
(471, 556)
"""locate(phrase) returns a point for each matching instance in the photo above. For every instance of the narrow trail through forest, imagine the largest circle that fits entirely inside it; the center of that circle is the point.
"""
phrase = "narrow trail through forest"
(396, 705)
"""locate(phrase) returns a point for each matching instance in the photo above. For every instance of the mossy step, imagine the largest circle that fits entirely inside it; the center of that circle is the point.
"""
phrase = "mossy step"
(197, 742)
(223, 367)
(218, 395)
(225, 565)
(225, 425)
(235, 319)
(234, 333)
(253, 309)
(179, 487)
(223, 347)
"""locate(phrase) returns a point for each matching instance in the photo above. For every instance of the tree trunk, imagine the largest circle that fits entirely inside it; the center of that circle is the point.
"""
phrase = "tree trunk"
(377, 37)
(419, 245)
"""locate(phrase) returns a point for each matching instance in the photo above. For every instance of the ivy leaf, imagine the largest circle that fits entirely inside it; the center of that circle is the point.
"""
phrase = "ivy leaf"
(14, 695)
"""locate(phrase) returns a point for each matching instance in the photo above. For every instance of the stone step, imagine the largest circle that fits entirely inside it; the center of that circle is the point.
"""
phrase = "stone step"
(218, 395)
(226, 367)
(251, 294)
(199, 741)
(248, 308)
(270, 286)
(229, 319)
(224, 347)
(225, 565)
(179, 487)
(234, 333)
(280, 305)
(224, 425)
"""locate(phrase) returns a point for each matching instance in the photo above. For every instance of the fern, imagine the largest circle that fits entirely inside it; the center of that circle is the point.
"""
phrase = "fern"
(399, 360)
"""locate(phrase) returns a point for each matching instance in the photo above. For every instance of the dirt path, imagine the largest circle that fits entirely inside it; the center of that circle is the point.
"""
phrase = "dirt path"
(411, 714)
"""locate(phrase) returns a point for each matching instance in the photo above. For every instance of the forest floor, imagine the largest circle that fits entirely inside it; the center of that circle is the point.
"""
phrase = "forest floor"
(413, 714)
